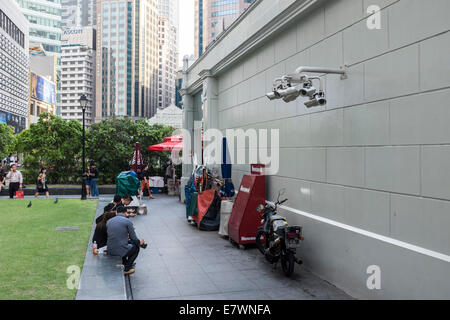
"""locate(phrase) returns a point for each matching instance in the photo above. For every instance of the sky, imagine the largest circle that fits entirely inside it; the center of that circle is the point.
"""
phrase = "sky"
(186, 42)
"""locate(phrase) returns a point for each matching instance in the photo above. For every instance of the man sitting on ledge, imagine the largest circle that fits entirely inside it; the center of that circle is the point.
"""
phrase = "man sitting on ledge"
(122, 240)
(125, 202)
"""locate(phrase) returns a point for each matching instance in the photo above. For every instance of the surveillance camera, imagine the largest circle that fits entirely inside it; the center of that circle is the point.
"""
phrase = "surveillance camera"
(290, 98)
(308, 91)
(288, 92)
(317, 100)
(272, 95)
(311, 103)
(322, 101)
(320, 97)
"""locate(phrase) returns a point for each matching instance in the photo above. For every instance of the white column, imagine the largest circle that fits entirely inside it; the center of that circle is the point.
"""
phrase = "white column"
(210, 100)
(188, 124)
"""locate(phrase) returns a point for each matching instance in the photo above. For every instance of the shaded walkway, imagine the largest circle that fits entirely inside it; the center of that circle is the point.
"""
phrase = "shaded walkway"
(182, 262)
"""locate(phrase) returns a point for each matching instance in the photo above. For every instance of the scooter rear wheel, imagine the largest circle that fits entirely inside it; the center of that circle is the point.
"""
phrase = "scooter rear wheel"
(261, 239)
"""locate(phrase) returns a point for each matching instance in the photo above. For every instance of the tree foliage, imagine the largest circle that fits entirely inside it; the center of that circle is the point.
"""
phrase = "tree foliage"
(110, 144)
(54, 143)
(7, 140)
(57, 144)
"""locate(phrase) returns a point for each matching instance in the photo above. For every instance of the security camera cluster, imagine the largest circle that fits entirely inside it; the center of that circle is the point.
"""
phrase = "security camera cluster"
(290, 87)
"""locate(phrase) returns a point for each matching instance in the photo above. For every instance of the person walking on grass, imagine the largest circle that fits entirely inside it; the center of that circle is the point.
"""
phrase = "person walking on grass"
(41, 183)
(94, 180)
(15, 181)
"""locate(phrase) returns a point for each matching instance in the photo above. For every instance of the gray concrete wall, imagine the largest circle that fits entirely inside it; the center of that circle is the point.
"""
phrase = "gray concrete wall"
(376, 157)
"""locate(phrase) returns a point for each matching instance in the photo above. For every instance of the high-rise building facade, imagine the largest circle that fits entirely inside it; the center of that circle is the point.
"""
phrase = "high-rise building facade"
(127, 59)
(44, 17)
(78, 73)
(43, 85)
(214, 16)
(79, 13)
(168, 51)
(14, 67)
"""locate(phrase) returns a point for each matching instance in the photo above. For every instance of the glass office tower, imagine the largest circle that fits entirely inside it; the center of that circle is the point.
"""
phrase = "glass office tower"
(168, 51)
(44, 17)
(79, 13)
(127, 59)
(214, 16)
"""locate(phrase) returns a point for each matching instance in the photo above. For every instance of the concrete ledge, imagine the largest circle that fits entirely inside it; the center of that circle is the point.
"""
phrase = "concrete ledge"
(30, 191)
(102, 276)
(102, 279)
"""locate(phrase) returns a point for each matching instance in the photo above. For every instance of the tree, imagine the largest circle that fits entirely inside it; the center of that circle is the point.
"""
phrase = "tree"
(7, 140)
(110, 144)
(54, 143)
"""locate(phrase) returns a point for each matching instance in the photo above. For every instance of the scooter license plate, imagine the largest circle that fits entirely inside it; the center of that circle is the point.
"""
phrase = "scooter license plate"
(293, 243)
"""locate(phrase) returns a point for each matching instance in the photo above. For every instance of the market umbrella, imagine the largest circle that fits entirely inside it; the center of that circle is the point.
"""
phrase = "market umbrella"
(137, 164)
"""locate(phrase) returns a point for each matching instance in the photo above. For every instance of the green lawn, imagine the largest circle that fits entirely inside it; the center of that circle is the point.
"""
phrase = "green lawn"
(34, 256)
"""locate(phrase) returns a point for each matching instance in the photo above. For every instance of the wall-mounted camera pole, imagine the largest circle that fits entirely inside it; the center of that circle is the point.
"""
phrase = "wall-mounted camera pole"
(304, 69)
(291, 86)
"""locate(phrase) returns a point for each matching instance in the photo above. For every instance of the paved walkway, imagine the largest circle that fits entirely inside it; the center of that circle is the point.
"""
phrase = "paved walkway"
(182, 262)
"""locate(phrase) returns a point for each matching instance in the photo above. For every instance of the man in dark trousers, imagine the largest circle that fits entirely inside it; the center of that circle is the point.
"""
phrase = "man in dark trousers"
(123, 242)
(16, 180)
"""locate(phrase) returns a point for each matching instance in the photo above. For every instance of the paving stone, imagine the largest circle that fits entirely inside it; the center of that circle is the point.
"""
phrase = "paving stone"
(186, 263)
(234, 285)
(157, 292)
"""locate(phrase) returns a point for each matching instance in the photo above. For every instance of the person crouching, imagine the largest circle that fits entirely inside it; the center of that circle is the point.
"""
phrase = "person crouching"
(122, 240)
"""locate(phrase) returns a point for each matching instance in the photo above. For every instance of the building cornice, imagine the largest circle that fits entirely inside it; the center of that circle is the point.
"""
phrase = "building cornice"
(205, 74)
(283, 19)
(280, 21)
(225, 32)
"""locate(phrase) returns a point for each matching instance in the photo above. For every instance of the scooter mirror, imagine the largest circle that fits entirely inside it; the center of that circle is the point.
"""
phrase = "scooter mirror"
(260, 208)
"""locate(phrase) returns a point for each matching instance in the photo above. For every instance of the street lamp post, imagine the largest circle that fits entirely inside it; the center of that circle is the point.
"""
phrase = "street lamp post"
(83, 104)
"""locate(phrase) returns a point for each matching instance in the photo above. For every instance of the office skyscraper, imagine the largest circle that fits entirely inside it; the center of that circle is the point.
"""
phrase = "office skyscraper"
(14, 67)
(127, 59)
(44, 17)
(214, 16)
(78, 73)
(79, 13)
(168, 51)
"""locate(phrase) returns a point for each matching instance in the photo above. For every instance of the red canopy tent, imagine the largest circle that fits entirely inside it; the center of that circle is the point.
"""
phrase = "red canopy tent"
(178, 137)
(170, 143)
(167, 146)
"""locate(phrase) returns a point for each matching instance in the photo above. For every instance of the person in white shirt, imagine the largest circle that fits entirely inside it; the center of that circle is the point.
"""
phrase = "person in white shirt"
(15, 181)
